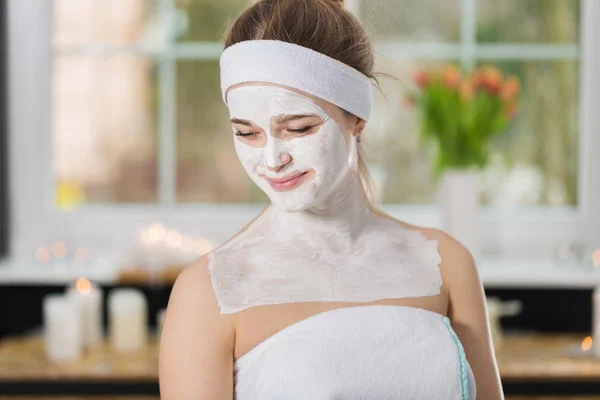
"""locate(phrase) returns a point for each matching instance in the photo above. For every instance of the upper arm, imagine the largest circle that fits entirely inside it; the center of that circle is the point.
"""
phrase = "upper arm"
(468, 313)
(196, 345)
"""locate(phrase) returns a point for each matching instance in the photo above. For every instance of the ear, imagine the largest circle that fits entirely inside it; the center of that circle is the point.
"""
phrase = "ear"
(359, 126)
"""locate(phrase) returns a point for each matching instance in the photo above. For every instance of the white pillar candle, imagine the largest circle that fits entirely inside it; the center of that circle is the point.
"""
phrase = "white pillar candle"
(62, 328)
(128, 321)
(88, 298)
(596, 322)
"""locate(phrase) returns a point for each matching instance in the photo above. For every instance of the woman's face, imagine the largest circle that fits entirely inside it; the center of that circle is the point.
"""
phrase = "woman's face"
(294, 146)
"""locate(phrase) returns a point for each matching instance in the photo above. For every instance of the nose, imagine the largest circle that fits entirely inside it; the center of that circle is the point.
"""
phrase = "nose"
(278, 161)
(277, 155)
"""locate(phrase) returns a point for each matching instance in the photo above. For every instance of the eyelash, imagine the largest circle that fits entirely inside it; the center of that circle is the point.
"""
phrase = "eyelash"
(237, 133)
(250, 134)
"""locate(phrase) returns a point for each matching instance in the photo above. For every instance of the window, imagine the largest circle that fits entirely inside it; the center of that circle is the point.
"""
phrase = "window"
(133, 128)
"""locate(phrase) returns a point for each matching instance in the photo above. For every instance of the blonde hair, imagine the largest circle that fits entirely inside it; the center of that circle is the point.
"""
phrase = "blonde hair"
(321, 25)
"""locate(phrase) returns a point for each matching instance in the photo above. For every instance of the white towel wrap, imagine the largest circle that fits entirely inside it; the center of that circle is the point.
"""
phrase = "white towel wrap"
(298, 67)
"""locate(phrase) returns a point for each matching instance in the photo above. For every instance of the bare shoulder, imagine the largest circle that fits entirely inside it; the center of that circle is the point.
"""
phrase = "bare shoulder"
(458, 266)
(196, 342)
(193, 288)
(467, 310)
(193, 303)
(196, 275)
(453, 253)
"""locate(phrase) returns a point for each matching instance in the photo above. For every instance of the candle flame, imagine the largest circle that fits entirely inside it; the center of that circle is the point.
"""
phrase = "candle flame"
(586, 344)
(83, 285)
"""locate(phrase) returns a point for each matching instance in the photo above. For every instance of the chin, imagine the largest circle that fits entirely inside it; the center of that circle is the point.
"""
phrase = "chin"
(297, 200)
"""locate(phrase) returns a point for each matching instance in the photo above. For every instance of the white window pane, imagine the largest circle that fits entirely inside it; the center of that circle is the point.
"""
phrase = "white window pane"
(104, 130)
(542, 144)
(412, 20)
(536, 162)
(103, 108)
(78, 22)
(400, 171)
(550, 21)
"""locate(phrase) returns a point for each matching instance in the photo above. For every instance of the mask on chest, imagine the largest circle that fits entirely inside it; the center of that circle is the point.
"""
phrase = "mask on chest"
(320, 239)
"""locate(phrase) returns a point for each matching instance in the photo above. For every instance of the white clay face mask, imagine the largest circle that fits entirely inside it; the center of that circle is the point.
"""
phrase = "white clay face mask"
(316, 163)
(332, 247)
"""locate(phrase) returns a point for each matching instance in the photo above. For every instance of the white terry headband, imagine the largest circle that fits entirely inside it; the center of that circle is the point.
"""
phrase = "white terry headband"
(283, 63)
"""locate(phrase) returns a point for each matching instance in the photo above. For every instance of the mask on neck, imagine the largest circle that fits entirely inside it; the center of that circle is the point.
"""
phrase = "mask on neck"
(326, 158)
(337, 249)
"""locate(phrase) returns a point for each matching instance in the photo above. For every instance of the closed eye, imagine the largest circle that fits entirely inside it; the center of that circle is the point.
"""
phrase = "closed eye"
(245, 134)
(301, 130)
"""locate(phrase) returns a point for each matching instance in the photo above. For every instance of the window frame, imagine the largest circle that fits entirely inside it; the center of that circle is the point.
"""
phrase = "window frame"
(523, 232)
(4, 224)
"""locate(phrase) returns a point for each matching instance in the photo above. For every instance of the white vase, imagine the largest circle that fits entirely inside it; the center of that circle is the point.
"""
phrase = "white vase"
(459, 203)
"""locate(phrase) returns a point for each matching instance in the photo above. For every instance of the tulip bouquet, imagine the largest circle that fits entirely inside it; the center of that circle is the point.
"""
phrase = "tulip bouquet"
(461, 113)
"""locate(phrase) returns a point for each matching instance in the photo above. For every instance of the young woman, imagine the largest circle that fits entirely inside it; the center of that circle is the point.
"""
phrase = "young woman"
(322, 296)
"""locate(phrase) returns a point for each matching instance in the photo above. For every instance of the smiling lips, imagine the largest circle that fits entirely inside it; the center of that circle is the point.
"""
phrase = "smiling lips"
(288, 182)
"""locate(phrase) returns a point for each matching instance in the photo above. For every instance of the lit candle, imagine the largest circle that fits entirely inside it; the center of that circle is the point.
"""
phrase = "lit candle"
(596, 322)
(62, 328)
(88, 298)
(128, 320)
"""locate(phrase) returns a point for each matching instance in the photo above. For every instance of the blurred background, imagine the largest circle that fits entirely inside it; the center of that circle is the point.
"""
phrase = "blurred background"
(118, 170)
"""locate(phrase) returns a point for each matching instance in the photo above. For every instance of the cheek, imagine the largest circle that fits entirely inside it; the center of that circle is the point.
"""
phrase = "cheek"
(312, 150)
(250, 157)
(326, 151)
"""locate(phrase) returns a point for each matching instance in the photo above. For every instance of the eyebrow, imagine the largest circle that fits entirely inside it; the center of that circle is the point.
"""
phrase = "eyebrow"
(280, 119)
(241, 121)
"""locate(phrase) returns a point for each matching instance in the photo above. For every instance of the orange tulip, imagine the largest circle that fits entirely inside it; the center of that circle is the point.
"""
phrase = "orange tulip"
(510, 89)
(421, 78)
(492, 79)
(451, 77)
(477, 77)
(467, 89)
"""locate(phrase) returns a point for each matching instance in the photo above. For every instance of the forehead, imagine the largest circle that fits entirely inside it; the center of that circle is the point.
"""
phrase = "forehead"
(268, 100)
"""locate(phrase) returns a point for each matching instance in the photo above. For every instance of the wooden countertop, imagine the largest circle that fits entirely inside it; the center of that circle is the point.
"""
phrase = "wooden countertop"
(546, 357)
(524, 357)
(24, 359)
(141, 276)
